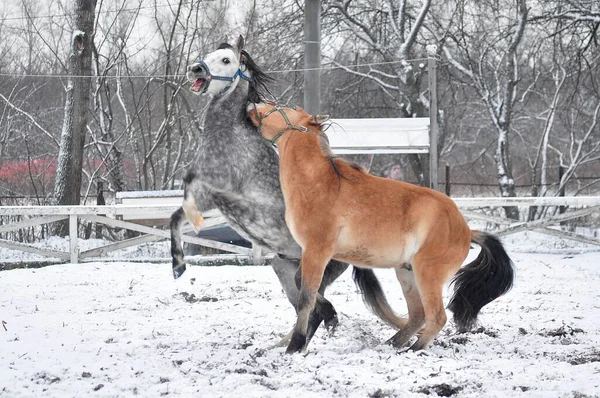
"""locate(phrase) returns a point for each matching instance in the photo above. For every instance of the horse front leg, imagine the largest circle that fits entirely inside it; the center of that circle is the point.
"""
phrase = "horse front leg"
(312, 267)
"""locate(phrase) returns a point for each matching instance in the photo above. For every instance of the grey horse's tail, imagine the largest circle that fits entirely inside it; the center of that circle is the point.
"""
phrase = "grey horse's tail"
(374, 297)
(476, 284)
(177, 218)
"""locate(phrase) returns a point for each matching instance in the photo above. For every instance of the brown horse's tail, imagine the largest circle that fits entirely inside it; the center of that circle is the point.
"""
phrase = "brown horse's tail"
(374, 297)
(478, 283)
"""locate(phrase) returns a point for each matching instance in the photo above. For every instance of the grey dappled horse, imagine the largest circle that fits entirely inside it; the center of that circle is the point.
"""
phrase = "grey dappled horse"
(238, 172)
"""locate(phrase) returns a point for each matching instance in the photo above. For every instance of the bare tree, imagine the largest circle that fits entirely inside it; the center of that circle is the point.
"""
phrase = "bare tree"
(67, 190)
(487, 60)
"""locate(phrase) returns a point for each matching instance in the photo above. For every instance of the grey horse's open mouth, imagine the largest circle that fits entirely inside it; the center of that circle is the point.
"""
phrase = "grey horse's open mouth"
(200, 85)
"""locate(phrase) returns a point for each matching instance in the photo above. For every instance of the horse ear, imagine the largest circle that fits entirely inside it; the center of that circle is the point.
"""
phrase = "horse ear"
(240, 44)
(253, 113)
(320, 119)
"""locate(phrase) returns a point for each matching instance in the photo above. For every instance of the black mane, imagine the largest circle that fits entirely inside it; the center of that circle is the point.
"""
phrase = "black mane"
(259, 88)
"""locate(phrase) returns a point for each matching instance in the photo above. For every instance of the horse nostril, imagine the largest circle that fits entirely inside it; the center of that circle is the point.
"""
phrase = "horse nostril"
(195, 68)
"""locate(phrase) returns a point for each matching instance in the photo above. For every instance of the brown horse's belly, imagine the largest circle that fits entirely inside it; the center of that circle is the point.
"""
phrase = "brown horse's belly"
(379, 250)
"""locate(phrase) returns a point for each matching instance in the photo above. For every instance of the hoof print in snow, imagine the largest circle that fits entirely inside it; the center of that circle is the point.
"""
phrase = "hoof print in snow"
(583, 358)
(563, 331)
(98, 387)
(460, 340)
(441, 390)
(522, 331)
(191, 298)
(44, 378)
(379, 393)
(243, 346)
(258, 353)
(487, 332)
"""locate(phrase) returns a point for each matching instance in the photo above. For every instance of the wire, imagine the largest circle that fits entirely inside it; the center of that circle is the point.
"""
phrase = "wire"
(327, 67)
(101, 12)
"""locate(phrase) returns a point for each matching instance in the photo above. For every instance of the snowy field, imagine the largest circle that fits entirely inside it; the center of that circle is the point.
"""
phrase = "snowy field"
(124, 329)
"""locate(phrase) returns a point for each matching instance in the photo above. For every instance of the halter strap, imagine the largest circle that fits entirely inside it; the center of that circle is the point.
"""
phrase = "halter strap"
(239, 73)
(290, 126)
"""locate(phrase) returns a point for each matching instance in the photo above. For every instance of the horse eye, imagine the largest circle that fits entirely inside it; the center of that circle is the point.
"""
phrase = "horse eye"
(226, 61)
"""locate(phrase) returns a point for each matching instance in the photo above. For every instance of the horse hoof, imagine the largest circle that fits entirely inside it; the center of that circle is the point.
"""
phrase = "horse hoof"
(283, 342)
(179, 270)
(331, 324)
(297, 342)
(418, 347)
(397, 343)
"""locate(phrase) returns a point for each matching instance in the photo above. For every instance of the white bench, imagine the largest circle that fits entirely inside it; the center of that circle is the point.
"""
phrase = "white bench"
(391, 135)
(375, 136)
(144, 198)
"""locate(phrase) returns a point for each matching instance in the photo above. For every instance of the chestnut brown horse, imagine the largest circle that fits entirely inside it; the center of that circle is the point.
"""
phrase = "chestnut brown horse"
(335, 209)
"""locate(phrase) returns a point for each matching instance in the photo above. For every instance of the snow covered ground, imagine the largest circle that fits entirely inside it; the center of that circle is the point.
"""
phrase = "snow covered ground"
(124, 329)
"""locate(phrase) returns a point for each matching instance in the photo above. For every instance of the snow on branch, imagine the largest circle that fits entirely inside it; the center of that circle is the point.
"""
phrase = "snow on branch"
(30, 118)
(368, 76)
(412, 36)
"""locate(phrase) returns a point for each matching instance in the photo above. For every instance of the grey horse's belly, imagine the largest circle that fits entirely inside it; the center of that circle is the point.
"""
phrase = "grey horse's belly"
(260, 224)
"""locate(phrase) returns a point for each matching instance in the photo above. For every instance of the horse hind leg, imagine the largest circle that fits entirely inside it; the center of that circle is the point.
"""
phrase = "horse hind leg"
(416, 314)
(430, 278)
(193, 215)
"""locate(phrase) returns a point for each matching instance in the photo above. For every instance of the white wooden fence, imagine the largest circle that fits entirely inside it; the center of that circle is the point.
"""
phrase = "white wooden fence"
(122, 216)
(110, 215)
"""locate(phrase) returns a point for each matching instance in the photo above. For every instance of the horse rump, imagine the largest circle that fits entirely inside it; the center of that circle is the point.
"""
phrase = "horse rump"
(480, 282)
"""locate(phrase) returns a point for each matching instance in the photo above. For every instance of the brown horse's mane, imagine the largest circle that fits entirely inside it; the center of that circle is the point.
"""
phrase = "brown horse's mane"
(334, 160)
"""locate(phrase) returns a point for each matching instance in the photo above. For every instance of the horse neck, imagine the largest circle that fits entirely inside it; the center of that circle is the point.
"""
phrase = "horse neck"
(301, 152)
(232, 103)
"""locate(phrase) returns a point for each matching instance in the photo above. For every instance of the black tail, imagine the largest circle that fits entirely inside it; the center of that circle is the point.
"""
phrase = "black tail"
(478, 283)
(177, 218)
(374, 297)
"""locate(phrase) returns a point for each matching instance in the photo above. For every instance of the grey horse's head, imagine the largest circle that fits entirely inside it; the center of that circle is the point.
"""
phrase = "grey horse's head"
(221, 71)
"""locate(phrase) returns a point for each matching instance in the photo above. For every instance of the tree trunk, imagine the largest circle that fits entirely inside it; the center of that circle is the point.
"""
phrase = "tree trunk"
(67, 186)
(505, 177)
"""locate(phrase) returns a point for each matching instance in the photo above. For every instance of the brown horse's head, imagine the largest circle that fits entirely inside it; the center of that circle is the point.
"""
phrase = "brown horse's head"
(273, 119)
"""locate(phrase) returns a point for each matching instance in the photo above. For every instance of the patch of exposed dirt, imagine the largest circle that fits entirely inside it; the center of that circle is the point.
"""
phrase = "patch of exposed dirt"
(583, 357)
(441, 390)
(379, 393)
(487, 332)
(45, 378)
(191, 298)
(562, 332)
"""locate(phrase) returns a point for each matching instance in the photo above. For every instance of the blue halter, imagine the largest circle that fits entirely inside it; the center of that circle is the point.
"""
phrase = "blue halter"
(225, 78)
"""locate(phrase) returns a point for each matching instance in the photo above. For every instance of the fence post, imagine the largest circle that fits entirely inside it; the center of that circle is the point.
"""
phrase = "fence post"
(433, 126)
(100, 202)
(312, 56)
(561, 191)
(447, 179)
(73, 244)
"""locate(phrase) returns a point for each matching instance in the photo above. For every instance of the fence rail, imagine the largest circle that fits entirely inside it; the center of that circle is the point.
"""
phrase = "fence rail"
(119, 216)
